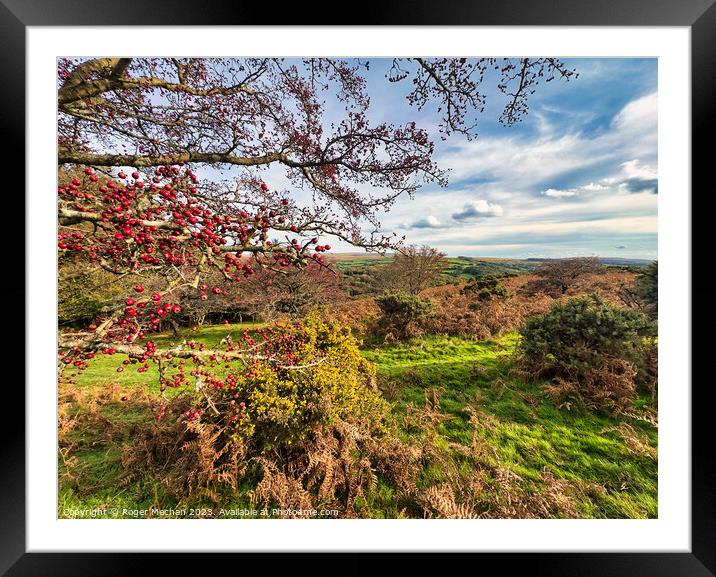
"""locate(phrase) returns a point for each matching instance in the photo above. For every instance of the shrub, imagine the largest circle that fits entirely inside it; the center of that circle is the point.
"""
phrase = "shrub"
(303, 423)
(309, 374)
(485, 288)
(459, 313)
(591, 349)
(401, 314)
(642, 292)
(556, 276)
(647, 288)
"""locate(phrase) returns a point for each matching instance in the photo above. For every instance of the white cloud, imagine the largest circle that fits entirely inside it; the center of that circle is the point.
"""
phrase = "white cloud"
(517, 164)
(427, 222)
(634, 169)
(637, 113)
(477, 209)
(593, 187)
(515, 178)
(556, 193)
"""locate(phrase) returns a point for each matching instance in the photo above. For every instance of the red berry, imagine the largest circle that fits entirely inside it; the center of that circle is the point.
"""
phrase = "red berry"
(139, 288)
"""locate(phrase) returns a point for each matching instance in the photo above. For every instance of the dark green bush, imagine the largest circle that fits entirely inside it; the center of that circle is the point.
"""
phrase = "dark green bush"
(647, 288)
(580, 342)
(485, 287)
(401, 314)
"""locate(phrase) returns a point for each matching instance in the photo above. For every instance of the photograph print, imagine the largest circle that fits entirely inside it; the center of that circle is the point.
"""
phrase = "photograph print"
(376, 288)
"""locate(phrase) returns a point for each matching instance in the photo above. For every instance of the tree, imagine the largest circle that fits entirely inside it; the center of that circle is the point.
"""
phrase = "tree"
(293, 292)
(412, 270)
(560, 274)
(161, 171)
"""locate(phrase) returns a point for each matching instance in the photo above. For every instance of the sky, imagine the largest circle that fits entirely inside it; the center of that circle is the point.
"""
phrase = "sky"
(577, 177)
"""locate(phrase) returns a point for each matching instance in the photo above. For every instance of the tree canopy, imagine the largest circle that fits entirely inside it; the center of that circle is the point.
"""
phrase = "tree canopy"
(161, 161)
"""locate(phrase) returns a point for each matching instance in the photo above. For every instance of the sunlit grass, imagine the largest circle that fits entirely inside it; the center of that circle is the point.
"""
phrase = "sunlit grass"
(527, 432)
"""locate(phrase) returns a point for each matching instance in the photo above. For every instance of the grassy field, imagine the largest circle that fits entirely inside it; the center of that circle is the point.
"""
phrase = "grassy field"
(615, 460)
(459, 268)
(609, 465)
(358, 269)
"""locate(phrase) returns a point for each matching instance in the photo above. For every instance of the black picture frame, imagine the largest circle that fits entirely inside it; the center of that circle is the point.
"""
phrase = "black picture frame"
(17, 15)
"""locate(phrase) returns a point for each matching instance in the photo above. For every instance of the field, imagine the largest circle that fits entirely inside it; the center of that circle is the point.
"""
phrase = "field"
(455, 398)
(359, 268)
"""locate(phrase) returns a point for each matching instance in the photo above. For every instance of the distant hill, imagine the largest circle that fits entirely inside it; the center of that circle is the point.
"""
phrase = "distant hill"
(614, 261)
(358, 267)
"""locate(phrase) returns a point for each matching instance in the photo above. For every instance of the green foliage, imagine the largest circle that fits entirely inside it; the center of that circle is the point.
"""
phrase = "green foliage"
(592, 349)
(401, 314)
(576, 335)
(465, 267)
(313, 377)
(84, 292)
(612, 461)
(486, 287)
(647, 288)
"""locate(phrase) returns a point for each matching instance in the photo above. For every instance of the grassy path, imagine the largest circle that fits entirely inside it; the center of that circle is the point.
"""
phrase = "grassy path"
(614, 461)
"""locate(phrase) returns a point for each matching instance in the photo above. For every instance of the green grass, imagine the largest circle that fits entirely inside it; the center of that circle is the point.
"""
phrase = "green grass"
(527, 432)
(103, 369)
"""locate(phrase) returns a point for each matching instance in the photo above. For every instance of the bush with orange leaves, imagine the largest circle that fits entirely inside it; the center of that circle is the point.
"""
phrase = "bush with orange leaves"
(464, 313)
(460, 312)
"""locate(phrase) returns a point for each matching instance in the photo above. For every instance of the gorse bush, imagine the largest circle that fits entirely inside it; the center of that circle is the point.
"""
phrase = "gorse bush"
(309, 373)
(401, 314)
(647, 288)
(484, 288)
(303, 423)
(591, 349)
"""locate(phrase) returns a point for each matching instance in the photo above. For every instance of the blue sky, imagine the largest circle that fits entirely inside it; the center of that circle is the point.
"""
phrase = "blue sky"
(578, 176)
